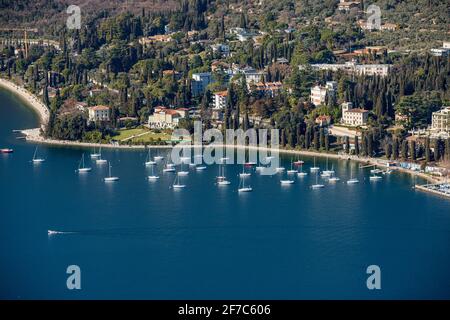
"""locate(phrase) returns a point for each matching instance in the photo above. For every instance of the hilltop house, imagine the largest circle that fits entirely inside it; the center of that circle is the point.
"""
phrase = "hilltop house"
(319, 94)
(347, 6)
(165, 118)
(352, 67)
(99, 113)
(220, 99)
(353, 116)
(267, 88)
(222, 49)
(440, 120)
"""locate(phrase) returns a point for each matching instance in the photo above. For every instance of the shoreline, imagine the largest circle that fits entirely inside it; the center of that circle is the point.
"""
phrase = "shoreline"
(29, 99)
(34, 135)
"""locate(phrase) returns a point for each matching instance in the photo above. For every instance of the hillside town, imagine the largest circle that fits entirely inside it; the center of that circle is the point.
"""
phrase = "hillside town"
(135, 77)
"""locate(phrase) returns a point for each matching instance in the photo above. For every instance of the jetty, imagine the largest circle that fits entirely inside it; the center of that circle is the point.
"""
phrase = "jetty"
(441, 189)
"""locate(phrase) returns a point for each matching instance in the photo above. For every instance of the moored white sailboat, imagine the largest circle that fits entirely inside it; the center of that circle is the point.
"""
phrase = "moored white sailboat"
(352, 180)
(35, 158)
(100, 160)
(153, 176)
(81, 166)
(244, 173)
(182, 172)
(110, 178)
(375, 177)
(301, 173)
(148, 160)
(292, 171)
(222, 179)
(95, 155)
(317, 185)
(177, 184)
(314, 168)
(243, 187)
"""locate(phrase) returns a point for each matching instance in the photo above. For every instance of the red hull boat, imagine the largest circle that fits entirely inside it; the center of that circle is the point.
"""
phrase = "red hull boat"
(6, 150)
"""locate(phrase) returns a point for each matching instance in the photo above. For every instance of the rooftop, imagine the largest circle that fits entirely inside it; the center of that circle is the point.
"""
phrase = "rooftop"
(99, 108)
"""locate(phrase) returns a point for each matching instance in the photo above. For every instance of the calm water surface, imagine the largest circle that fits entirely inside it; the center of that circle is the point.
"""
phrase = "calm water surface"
(136, 239)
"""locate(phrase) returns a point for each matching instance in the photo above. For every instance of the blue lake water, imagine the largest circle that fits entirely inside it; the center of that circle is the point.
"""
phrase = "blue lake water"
(136, 239)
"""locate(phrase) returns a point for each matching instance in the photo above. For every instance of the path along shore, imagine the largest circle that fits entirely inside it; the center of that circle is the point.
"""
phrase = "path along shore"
(34, 135)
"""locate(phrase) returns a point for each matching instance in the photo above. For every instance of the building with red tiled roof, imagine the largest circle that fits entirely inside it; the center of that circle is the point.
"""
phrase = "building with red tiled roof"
(99, 113)
(220, 99)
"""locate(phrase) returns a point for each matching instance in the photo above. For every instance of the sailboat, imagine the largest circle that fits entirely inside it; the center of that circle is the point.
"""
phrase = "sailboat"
(148, 160)
(169, 167)
(35, 158)
(177, 184)
(317, 185)
(95, 155)
(286, 181)
(375, 177)
(100, 160)
(298, 162)
(243, 173)
(292, 171)
(333, 178)
(182, 172)
(280, 169)
(110, 178)
(222, 179)
(314, 168)
(302, 173)
(220, 176)
(153, 176)
(242, 187)
(81, 166)
(158, 157)
(352, 180)
(327, 172)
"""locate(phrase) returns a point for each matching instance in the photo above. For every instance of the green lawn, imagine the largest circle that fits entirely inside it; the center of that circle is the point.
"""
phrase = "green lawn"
(127, 133)
(149, 136)
(152, 136)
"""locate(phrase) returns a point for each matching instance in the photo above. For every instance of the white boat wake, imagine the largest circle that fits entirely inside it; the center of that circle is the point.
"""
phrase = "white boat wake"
(54, 232)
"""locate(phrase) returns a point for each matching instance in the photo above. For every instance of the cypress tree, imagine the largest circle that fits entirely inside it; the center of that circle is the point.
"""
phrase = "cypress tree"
(412, 150)
(427, 150)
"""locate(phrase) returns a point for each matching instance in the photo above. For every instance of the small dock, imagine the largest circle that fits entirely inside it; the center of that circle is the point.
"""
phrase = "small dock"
(367, 166)
(441, 189)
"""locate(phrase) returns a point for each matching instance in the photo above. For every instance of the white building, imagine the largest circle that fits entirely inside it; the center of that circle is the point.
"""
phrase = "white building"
(440, 120)
(242, 34)
(352, 67)
(353, 116)
(220, 99)
(99, 113)
(199, 82)
(443, 51)
(251, 75)
(164, 118)
(347, 6)
(319, 94)
(222, 49)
